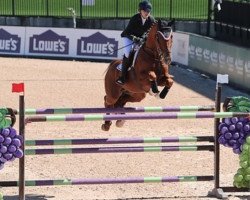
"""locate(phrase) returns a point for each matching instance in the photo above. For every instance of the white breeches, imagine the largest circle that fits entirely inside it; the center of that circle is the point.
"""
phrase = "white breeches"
(128, 44)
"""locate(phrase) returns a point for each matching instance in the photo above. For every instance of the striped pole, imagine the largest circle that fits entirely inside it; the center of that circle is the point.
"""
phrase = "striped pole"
(32, 111)
(120, 140)
(105, 117)
(108, 181)
(118, 149)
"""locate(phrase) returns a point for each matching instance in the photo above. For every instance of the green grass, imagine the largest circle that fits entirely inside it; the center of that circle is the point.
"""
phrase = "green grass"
(5, 7)
(180, 9)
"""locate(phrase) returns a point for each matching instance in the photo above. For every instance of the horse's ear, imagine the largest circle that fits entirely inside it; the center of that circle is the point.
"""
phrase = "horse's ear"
(171, 23)
(163, 25)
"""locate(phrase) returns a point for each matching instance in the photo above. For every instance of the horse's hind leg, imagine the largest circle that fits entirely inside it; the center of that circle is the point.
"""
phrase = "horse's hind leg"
(121, 102)
(133, 97)
(107, 124)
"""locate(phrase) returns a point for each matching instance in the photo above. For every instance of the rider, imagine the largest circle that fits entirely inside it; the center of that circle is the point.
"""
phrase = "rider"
(137, 26)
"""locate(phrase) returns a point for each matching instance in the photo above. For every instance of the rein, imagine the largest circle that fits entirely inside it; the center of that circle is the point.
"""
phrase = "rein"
(159, 56)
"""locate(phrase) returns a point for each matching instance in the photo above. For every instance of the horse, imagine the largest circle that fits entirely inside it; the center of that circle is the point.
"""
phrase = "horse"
(151, 65)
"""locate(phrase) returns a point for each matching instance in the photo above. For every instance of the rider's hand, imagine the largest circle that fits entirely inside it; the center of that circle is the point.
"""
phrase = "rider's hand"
(137, 39)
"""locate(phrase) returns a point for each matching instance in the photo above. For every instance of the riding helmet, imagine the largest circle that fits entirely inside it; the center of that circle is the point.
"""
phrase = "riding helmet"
(145, 5)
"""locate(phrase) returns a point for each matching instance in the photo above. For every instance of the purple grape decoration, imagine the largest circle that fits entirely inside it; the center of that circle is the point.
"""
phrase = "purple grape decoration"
(234, 120)
(239, 125)
(236, 135)
(222, 140)
(224, 130)
(228, 135)
(3, 149)
(221, 125)
(232, 128)
(233, 132)
(8, 156)
(18, 153)
(7, 141)
(246, 127)
(12, 133)
(10, 144)
(6, 132)
(1, 139)
(237, 151)
(227, 121)
(1, 165)
(12, 148)
(16, 142)
(3, 160)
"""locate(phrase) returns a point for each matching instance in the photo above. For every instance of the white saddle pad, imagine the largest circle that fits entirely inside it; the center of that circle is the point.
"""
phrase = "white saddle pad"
(119, 67)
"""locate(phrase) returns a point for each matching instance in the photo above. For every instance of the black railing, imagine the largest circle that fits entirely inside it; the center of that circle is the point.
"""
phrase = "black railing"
(179, 9)
(234, 13)
(232, 23)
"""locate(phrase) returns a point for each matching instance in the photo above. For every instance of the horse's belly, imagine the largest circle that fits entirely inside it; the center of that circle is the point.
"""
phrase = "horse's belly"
(137, 86)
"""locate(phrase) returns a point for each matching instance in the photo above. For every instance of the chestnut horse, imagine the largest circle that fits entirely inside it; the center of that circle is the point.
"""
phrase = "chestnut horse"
(151, 64)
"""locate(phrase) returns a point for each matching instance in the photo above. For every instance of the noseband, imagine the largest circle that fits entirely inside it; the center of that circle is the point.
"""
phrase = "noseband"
(166, 37)
(160, 54)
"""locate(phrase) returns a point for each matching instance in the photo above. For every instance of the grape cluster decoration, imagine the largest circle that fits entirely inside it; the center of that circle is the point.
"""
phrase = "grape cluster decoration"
(233, 132)
(10, 144)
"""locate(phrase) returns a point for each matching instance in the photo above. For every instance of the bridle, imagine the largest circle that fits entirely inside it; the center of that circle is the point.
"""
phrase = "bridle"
(159, 55)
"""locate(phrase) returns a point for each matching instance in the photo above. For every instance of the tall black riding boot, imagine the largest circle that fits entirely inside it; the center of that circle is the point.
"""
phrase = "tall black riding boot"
(125, 66)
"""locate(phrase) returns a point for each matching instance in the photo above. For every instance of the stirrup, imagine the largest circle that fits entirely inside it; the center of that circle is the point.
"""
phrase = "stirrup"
(120, 81)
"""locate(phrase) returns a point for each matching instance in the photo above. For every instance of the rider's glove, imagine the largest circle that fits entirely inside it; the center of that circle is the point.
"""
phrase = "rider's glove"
(137, 39)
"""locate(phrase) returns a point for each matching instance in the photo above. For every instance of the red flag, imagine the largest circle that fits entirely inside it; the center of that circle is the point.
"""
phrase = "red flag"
(17, 87)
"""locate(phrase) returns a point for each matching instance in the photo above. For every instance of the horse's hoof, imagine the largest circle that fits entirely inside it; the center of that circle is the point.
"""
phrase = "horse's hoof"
(105, 127)
(151, 93)
(120, 123)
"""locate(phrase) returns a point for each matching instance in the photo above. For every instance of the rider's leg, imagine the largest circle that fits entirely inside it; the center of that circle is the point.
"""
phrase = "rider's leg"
(126, 60)
(125, 66)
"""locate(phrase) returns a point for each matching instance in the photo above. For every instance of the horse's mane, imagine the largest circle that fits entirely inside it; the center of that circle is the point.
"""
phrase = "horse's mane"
(148, 31)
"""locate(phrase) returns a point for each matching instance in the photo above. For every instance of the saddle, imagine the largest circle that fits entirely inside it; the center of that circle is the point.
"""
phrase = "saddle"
(132, 57)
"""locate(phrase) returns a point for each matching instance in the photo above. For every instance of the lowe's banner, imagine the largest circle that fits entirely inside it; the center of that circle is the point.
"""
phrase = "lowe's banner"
(61, 42)
(213, 57)
(75, 43)
(12, 40)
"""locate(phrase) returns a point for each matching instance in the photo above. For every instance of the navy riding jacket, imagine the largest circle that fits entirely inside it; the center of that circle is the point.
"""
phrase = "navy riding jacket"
(135, 26)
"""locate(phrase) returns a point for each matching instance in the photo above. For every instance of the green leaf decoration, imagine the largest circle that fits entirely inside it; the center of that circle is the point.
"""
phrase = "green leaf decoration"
(239, 104)
(242, 177)
(1, 196)
(4, 122)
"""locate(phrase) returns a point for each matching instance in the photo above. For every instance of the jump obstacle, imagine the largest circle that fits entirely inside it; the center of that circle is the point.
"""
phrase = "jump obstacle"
(206, 113)
(33, 111)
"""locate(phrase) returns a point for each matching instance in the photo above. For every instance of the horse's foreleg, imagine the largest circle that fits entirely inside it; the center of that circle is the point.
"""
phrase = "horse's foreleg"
(164, 92)
(153, 82)
(168, 84)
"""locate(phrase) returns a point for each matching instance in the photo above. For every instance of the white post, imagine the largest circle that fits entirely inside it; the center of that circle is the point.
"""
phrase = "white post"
(73, 14)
